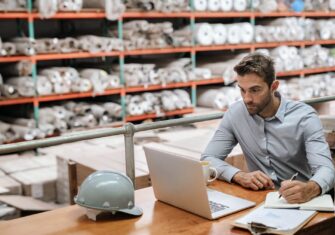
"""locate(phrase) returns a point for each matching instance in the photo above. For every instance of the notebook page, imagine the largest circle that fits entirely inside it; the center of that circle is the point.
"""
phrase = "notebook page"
(273, 201)
(280, 219)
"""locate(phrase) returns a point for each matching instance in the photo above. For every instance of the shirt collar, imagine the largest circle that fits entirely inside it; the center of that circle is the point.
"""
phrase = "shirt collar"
(280, 114)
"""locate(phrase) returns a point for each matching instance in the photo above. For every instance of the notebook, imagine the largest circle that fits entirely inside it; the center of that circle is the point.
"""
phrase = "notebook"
(276, 221)
(320, 203)
(179, 181)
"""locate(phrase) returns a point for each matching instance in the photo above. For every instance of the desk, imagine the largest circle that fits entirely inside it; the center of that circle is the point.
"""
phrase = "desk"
(158, 218)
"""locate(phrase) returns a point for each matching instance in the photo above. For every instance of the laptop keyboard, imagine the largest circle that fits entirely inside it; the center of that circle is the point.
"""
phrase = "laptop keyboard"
(215, 206)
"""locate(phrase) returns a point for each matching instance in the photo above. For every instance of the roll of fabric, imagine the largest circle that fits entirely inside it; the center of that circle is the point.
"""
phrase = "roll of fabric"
(8, 49)
(332, 5)
(24, 85)
(47, 45)
(21, 68)
(134, 109)
(219, 34)
(203, 34)
(46, 8)
(200, 5)
(213, 5)
(113, 8)
(226, 5)
(69, 45)
(324, 28)
(233, 34)
(266, 6)
(240, 5)
(44, 86)
(25, 46)
(113, 109)
(247, 34)
(8, 91)
(13, 5)
(25, 133)
(7, 131)
(81, 85)
(98, 77)
(70, 5)
(184, 97)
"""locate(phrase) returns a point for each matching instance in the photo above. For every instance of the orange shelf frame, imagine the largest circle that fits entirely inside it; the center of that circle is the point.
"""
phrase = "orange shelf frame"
(158, 51)
(14, 15)
(209, 81)
(6, 59)
(77, 95)
(136, 14)
(14, 101)
(157, 87)
(76, 55)
(154, 115)
(306, 71)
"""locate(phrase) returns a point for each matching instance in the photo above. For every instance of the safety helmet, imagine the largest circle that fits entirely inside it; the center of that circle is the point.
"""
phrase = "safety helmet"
(108, 191)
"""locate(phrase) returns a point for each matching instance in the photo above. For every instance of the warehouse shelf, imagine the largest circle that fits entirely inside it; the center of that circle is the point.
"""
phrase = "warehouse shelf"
(100, 14)
(14, 101)
(76, 55)
(6, 59)
(157, 115)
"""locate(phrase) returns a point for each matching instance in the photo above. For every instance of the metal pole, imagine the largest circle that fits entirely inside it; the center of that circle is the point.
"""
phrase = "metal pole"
(129, 151)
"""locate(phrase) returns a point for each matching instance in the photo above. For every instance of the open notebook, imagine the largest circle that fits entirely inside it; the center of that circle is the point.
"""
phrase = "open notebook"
(320, 203)
(275, 221)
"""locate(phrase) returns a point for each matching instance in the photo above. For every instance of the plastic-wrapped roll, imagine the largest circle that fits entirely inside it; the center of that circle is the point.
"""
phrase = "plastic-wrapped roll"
(267, 6)
(200, 5)
(260, 33)
(46, 8)
(70, 5)
(247, 34)
(81, 85)
(114, 81)
(113, 8)
(240, 5)
(204, 34)
(8, 91)
(68, 45)
(219, 34)
(9, 48)
(332, 5)
(98, 78)
(233, 34)
(113, 109)
(281, 52)
(24, 85)
(134, 109)
(47, 45)
(212, 98)
(324, 27)
(226, 5)
(25, 46)
(44, 86)
(202, 73)
(25, 133)
(213, 5)
(21, 68)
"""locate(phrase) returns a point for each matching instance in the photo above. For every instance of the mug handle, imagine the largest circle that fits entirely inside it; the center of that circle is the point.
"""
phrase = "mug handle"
(215, 176)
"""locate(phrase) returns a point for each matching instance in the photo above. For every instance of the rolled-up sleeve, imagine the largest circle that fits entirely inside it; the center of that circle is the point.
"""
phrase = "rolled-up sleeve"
(218, 148)
(318, 153)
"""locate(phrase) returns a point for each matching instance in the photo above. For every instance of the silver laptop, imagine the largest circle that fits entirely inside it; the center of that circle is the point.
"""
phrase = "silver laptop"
(178, 180)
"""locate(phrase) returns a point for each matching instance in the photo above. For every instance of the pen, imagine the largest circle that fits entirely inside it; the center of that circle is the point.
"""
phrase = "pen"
(292, 178)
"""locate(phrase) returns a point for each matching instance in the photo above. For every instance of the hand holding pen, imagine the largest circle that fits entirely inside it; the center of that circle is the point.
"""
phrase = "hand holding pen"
(291, 179)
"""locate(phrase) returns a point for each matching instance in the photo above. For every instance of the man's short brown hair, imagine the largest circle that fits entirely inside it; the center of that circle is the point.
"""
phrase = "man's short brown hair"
(259, 64)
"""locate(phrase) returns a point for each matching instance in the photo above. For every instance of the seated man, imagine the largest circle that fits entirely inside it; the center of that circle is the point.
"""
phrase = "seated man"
(279, 138)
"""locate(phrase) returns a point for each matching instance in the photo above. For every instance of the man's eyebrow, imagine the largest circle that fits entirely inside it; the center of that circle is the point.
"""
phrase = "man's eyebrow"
(253, 87)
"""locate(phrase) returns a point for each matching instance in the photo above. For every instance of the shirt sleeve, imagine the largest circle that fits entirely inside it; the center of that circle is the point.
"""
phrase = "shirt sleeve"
(218, 148)
(318, 153)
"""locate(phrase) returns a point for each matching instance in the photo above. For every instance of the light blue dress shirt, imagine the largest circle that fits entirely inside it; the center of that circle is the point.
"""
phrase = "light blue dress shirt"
(289, 142)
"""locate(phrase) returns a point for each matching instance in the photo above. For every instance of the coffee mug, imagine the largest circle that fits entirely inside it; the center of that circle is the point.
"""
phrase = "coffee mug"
(210, 173)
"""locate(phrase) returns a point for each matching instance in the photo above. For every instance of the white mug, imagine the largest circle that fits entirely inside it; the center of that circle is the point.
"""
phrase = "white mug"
(210, 173)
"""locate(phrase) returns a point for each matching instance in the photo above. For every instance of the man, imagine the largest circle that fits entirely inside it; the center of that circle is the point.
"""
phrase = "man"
(279, 138)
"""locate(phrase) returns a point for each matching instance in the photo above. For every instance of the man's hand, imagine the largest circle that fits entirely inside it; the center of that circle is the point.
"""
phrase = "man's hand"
(255, 180)
(299, 192)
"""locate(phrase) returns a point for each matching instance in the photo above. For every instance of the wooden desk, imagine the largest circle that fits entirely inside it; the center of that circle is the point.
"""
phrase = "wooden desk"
(158, 218)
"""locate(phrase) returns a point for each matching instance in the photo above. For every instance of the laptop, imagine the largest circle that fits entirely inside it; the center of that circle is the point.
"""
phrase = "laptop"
(178, 181)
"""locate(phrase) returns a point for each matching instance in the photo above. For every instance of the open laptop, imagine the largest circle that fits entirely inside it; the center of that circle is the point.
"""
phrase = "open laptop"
(178, 180)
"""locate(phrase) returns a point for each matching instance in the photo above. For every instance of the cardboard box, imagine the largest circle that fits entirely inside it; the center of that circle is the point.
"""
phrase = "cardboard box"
(11, 184)
(38, 183)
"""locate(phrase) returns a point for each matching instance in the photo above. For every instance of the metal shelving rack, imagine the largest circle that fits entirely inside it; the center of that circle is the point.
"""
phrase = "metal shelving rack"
(30, 16)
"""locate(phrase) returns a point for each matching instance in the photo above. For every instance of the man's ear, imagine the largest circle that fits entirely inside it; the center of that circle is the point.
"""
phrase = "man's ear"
(274, 85)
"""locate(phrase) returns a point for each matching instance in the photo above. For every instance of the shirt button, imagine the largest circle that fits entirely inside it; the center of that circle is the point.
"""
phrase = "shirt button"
(273, 174)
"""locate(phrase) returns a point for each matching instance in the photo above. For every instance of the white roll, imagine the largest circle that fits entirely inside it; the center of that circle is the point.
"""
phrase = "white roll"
(44, 86)
(220, 34)
(204, 34)
(70, 5)
(113, 8)
(332, 5)
(247, 32)
(226, 5)
(47, 8)
(240, 5)
(233, 34)
(200, 5)
(213, 5)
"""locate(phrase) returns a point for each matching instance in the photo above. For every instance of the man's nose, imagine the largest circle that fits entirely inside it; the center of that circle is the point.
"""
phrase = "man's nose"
(247, 98)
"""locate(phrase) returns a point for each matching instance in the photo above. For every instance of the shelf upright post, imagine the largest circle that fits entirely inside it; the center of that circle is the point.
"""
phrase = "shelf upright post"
(193, 54)
(31, 31)
(121, 63)
(253, 22)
